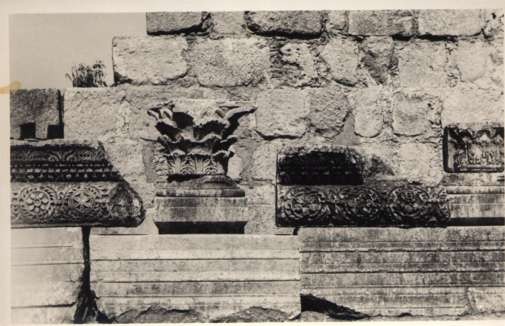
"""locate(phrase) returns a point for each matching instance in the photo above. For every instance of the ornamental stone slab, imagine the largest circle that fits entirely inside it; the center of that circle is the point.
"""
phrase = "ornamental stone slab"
(66, 183)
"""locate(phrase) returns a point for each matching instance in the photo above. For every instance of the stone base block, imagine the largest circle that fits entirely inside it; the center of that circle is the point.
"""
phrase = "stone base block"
(47, 267)
(205, 277)
(201, 210)
(393, 271)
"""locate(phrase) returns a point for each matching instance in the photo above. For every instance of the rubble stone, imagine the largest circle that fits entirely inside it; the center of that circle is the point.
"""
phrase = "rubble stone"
(369, 105)
(172, 22)
(293, 23)
(381, 22)
(378, 57)
(410, 114)
(228, 23)
(450, 22)
(341, 56)
(329, 108)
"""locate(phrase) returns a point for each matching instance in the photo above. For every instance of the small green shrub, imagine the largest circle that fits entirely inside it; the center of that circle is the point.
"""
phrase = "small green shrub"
(88, 76)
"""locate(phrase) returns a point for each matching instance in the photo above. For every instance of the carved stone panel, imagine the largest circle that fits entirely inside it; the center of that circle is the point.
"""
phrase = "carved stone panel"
(379, 204)
(66, 183)
(473, 148)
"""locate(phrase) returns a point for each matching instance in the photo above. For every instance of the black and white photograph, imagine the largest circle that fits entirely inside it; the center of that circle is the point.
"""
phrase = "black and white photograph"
(244, 165)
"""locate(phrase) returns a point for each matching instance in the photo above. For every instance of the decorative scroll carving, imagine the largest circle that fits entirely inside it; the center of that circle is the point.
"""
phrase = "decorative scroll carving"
(196, 139)
(374, 205)
(75, 204)
(60, 160)
(473, 148)
(65, 183)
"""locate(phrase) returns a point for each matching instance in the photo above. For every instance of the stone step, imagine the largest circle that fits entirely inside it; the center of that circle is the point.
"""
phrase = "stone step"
(43, 294)
(46, 255)
(46, 237)
(43, 315)
(192, 265)
(192, 246)
(47, 273)
(209, 307)
(398, 239)
(428, 301)
(369, 261)
(196, 289)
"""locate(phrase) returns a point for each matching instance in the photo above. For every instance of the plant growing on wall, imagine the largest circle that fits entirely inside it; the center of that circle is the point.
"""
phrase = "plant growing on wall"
(83, 75)
(197, 140)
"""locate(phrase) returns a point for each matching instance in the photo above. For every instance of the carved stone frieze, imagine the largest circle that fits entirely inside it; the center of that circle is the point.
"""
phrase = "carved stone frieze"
(101, 203)
(473, 148)
(68, 183)
(379, 204)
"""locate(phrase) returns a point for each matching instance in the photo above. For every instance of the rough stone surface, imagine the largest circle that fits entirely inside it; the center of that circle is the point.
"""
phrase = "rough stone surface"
(299, 56)
(450, 22)
(228, 23)
(230, 62)
(39, 106)
(293, 23)
(337, 21)
(264, 160)
(473, 60)
(172, 22)
(341, 56)
(148, 60)
(282, 113)
(493, 20)
(381, 22)
(369, 106)
(329, 108)
(422, 64)
(466, 104)
(47, 266)
(410, 114)
(378, 57)
(420, 162)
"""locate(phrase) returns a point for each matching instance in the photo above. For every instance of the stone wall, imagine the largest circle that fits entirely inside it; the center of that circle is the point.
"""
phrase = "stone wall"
(384, 81)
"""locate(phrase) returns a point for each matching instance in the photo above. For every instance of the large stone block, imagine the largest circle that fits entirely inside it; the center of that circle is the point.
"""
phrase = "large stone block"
(422, 64)
(46, 268)
(148, 60)
(341, 56)
(40, 107)
(212, 276)
(230, 62)
(329, 109)
(282, 112)
(467, 104)
(451, 22)
(293, 23)
(369, 107)
(381, 22)
(300, 65)
(420, 272)
(173, 22)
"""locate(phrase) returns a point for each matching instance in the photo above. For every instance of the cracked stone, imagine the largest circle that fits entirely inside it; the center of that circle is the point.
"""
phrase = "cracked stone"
(230, 62)
(149, 60)
(341, 56)
(293, 23)
(282, 112)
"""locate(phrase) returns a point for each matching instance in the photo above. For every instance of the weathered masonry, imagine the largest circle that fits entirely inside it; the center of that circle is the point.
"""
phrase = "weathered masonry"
(268, 166)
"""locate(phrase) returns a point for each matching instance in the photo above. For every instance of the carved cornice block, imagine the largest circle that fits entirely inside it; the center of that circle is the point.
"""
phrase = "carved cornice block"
(473, 148)
(379, 204)
(66, 183)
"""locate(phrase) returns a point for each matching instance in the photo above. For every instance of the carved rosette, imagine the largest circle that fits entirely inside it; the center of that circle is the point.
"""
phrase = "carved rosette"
(376, 205)
(66, 183)
(75, 204)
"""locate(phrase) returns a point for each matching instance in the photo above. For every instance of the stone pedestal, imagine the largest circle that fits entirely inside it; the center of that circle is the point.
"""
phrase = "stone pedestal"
(196, 278)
